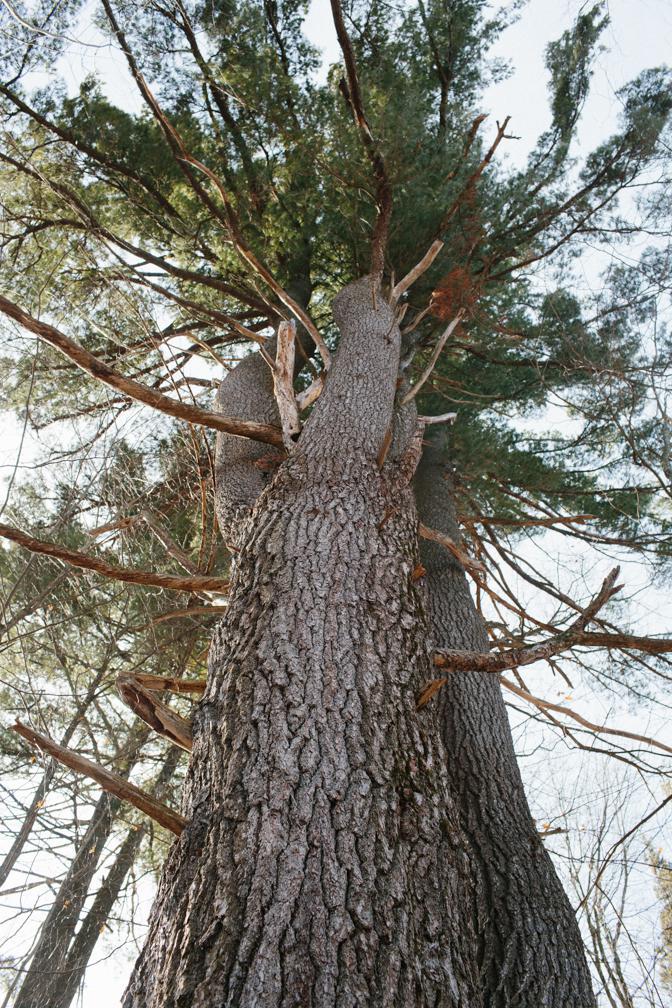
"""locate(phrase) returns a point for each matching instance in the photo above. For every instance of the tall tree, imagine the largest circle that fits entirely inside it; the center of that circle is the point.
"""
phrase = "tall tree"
(355, 825)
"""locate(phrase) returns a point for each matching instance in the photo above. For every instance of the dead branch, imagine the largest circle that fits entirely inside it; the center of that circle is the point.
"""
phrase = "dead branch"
(157, 715)
(353, 97)
(443, 339)
(568, 712)
(170, 683)
(475, 175)
(109, 781)
(525, 522)
(172, 582)
(469, 564)
(417, 271)
(283, 383)
(134, 390)
(441, 418)
(515, 657)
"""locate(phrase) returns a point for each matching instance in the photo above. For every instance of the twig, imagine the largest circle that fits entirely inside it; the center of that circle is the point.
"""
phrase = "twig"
(599, 729)
(134, 390)
(109, 781)
(619, 843)
(443, 339)
(172, 582)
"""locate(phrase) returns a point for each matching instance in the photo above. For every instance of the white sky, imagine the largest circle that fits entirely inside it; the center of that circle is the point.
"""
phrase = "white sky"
(640, 35)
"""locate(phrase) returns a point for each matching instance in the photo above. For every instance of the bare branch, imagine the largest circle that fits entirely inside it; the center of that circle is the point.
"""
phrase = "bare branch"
(134, 390)
(598, 729)
(515, 657)
(417, 271)
(157, 715)
(109, 781)
(283, 383)
(443, 339)
(172, 582)
(441, 418)
(469, 564)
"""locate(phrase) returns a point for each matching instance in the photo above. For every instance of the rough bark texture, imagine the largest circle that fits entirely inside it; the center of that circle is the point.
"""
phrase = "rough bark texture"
(342, 848)
(322, 862)
(530, 952)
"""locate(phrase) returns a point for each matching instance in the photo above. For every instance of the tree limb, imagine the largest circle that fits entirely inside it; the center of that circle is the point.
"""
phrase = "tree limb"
(443, 339)
(134, 390)
(109, 781)
(172, 582)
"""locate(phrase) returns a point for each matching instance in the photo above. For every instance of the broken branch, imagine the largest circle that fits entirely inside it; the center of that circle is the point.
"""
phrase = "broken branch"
(109, 781)
(283, 383)
(157, 715)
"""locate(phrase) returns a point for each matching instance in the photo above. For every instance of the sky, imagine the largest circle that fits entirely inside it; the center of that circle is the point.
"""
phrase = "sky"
(639, 36)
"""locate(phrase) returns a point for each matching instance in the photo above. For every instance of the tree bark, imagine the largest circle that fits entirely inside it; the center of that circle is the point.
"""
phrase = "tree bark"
(322, 862)
(530, 952)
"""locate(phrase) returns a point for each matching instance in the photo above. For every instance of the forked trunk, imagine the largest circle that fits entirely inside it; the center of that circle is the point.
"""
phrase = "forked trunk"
(322, 864)
(324, 861)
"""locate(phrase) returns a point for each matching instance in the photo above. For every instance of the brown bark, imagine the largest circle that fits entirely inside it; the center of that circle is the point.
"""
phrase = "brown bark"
(530, 952)
(172, 582)
(321, 862)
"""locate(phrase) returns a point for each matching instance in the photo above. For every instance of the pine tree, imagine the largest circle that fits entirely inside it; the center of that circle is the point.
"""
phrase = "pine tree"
(355, 828)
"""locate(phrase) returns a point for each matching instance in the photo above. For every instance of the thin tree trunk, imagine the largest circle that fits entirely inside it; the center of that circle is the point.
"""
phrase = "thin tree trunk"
(19, 842)
(322, 861)
(81, 949)
(530, 951)
(43, 978)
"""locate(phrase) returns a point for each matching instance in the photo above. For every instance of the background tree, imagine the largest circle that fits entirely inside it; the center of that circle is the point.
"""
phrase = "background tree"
(356, 824)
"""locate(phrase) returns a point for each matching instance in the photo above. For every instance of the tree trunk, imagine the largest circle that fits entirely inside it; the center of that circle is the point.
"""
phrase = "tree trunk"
(43, 979)
(342, 848)
(530, 952)
(322, 863)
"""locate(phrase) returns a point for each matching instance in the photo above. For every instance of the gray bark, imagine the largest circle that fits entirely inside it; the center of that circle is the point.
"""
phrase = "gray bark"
(530, 952)
(342, 848)
(322, 862)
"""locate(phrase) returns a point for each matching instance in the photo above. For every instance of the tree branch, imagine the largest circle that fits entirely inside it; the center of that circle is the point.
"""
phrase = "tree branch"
(109, 781)
(353, 96)
(172, 582)
(157, 715)
(443, 339)
(134, 390)
(463, 661)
